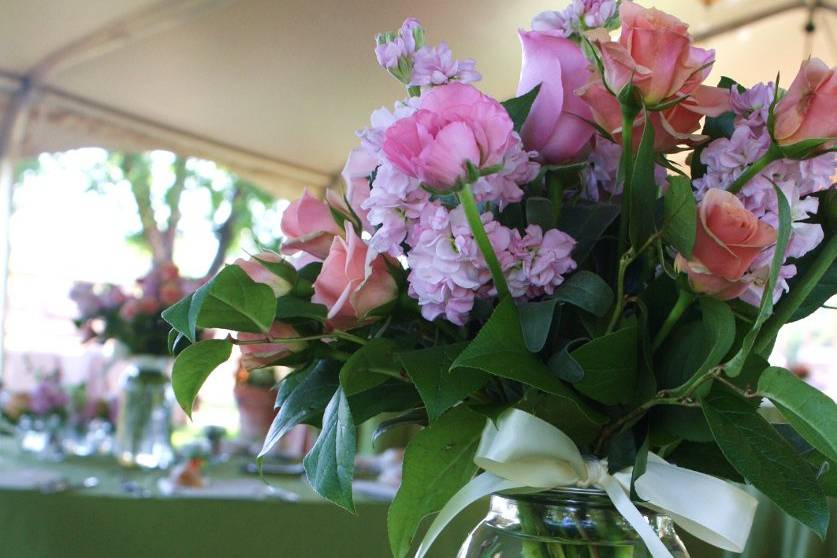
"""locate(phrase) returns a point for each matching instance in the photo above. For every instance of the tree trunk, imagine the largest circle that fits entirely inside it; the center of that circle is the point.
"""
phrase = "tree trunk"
(173, 201)
(136, 171)
(224, 233)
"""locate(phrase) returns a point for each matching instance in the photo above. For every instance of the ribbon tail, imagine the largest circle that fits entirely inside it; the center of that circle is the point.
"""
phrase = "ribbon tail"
(479, 487)
(633, 516)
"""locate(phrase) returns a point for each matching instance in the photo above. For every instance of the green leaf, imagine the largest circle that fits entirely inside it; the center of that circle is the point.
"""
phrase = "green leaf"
(586, 223)
(281, 268)
(519, 107)
(231, 300)
(437, 463)
(330, 464)
(586, 290)
(764, 458)
(680, 215)
(440, 389)
(369, 366)
(393, 396)
(704, 457)
(306, 402)
(563, 365)
(288, 307)
(736, 364)
(499, 349)
(193, 366)
(410, 418)
(719, 331)
(643, 191)
(825, 288)
(565, 411)
(287, 386)
(610, 366)
(536, 321)
(812, 413)
(539, 211)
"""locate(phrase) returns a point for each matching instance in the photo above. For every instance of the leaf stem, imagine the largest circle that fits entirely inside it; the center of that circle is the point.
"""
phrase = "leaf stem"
(786, 307)
(624, 262)
(773, 153)
(472, 213)
(267, 339)
(684, 300)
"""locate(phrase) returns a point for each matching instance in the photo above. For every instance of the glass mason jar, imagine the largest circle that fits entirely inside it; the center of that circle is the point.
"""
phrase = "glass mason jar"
(143, 425)
(563, 523)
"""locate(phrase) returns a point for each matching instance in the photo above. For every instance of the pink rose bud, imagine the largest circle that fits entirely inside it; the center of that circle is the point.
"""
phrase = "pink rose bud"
(350, 288)
(727, 240)
(261, 274)
(809, 109)
(308, 225)
(260, 355)
(556, 124)
(654, 52)
(454, 125)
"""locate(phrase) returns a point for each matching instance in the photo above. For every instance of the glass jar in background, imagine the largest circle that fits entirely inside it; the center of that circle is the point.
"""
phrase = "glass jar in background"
(563, 523)
(144, 421)
(41, 436)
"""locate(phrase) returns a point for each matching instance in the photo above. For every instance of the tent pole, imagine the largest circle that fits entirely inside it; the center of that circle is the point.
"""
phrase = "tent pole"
(12, 128)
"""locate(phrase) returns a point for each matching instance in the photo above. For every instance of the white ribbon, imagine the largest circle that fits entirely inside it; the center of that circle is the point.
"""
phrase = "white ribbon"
(523, 452)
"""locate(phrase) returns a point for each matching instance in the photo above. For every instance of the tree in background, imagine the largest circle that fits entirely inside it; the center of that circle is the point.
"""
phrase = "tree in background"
(158, 187)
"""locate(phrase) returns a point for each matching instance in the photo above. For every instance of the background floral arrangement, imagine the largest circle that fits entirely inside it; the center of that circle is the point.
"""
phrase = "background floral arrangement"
(489, 256)
(133, 318)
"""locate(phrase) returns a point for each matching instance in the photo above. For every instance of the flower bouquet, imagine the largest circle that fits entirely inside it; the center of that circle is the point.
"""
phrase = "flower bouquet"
(133, 319)
(576, 288)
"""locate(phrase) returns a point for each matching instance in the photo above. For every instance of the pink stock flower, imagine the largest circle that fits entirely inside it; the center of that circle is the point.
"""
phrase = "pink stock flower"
(261, 274)
(556, 126)
(455, 124)
(356, 172)
(575, 18)
(260, 355)
(809, 109)
(349, 287)
(309, 226)
(437, 66)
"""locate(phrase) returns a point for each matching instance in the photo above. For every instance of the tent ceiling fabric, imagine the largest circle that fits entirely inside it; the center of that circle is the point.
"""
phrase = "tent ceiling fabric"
(276, 89)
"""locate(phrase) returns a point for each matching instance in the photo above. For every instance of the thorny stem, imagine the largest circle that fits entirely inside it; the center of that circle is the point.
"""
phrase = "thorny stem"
(624, 262)
(472, 213)
(773, 154)
(684, 300)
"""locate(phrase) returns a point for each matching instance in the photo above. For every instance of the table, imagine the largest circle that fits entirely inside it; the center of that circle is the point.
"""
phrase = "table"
(105, 522)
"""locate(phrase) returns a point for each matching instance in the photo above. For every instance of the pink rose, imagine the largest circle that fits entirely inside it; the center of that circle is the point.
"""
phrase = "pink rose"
(170, 292)
(454, 124)
(727, 240)
(655, 52)
(350, 288)
(260, 355)
(260, 274)
(556, 124)
(809, 109)
(359, 166)
(309, 226)
(672, 127)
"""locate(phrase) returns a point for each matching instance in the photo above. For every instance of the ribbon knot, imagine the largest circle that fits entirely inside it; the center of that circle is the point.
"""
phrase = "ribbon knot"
(596, 473)
(523, 453)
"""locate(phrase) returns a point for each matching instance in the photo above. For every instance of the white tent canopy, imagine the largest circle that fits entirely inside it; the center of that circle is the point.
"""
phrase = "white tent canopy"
(274, 89)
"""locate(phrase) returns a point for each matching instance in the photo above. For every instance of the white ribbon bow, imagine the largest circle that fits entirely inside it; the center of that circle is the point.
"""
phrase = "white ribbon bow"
(525, 452)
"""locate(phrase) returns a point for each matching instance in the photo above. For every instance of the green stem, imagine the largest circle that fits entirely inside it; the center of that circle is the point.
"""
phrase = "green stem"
(531, 524)
(267, 339)
(624, 262)
(802, 288)
(626, 165)
(758, 165)
(555, 191)
(684, 300)
(472, 213)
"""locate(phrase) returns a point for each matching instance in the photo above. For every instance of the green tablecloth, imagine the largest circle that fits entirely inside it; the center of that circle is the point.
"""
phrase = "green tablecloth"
(105, 522)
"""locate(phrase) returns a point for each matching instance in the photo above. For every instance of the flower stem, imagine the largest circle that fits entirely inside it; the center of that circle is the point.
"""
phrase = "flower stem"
(786, 307)
(472, 213)
(626, 169)
(267, 339)
(684, 300)
(758, 165)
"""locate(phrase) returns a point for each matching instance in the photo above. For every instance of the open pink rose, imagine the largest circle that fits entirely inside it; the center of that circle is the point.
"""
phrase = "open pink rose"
(260, 274)
(348, 287)
(809, 109)
(260, 355)
(454, 124)
(556, 126)
(655, 52)
(309, 226)
(727, 240)
(359, 166)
